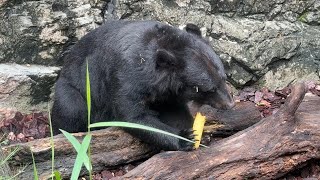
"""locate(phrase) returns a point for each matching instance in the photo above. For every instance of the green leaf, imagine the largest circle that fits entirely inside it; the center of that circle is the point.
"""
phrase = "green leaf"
(12, 153)
(51, 142)
(35, 172)
(57, 175)
(83, 155)
(88, 92)
(77, 146)
(138, 126)
(80, 157)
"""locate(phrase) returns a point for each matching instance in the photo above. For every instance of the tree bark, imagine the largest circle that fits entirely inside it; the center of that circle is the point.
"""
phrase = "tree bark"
(113, 147)
(109, 148)
(5, 171)
(267, 150)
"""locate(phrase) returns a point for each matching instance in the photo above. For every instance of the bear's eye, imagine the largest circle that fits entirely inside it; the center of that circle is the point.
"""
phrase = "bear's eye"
(196, 88)
(207, 87)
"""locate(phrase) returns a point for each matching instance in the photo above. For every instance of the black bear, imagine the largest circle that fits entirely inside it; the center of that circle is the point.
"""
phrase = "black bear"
(143, 72)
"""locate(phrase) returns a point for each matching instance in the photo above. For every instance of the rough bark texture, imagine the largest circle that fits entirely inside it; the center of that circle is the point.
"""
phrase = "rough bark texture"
(266, 150)
(113, 147)
(109, 148)
(243, 115)
(5, 171)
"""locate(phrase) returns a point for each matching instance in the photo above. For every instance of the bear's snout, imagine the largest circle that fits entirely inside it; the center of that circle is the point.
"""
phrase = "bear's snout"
(228, 105)
(222, 98)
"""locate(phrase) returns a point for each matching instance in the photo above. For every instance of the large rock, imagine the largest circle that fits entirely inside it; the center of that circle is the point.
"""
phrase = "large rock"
(25, 87)
(37, 32)
(268, 43)
(260, 49)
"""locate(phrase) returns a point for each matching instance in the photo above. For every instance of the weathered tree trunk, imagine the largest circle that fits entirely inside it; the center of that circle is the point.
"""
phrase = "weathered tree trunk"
(266, 150)
(113, 147)
(109, 148)
(5, 171)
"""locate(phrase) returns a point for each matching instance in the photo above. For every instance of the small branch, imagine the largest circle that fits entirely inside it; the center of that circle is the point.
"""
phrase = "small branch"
(293, 101)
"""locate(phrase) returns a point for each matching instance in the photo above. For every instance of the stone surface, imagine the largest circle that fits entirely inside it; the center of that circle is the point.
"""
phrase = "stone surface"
(25, 87)
(256, 40)
(37, 32)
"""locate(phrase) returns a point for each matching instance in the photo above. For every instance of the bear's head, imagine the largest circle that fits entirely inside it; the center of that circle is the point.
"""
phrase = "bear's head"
(188, 66)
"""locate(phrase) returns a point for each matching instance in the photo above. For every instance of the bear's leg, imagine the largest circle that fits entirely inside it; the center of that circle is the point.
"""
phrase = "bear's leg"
(131, 107)
(177, 116)
(69, 109)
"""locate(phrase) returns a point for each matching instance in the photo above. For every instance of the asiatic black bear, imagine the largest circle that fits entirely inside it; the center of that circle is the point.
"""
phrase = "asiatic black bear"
(143, 72)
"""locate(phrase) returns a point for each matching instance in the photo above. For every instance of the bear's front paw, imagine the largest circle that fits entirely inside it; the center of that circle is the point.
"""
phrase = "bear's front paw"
(185, 145)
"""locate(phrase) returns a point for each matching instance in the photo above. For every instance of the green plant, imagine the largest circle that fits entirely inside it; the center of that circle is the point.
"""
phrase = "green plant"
(82, 149)
(303, 17)
(138, 126)
(13, 177)
(82, 157)
(35, 172)
(5, 171)
(54, 173)
(88, 98)
(12, 153)
(57, 175)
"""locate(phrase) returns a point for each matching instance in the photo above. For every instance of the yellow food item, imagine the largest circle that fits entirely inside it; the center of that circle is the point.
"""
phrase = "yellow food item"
(198, 126)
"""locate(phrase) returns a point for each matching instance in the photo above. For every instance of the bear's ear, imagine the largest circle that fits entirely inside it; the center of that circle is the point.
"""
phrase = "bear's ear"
(194, 29)
(165, 59)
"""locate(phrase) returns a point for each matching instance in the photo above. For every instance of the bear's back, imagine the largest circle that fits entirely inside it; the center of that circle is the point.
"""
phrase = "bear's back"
(113, 36)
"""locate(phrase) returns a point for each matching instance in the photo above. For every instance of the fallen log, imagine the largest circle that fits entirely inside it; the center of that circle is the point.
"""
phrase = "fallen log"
(109, 148)
(227, 122)
(113, 147)
(267, 150)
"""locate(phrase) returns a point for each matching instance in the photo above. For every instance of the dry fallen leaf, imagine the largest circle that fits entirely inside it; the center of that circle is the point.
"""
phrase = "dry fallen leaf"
(264, 103)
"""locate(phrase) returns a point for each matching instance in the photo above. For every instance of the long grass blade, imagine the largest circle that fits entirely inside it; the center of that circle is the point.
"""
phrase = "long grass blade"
(16, 175)
(80, 157)
(88, 92)
(138, 126)
(51, 142)
(35, 172)
(77, 146)
(10, 155)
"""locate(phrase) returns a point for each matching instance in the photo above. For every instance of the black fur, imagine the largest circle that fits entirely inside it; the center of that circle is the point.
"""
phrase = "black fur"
(143, 72)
